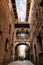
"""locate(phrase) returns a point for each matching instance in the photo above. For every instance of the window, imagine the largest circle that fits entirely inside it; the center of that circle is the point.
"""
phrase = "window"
(21, 10)
(9, 28)
(39, 39)
(0, 34)
(22, 34)
(6, 44)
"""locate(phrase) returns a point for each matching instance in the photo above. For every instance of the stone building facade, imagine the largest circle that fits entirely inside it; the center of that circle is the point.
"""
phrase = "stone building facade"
(36, 19)
(6, 31)
(10, 25)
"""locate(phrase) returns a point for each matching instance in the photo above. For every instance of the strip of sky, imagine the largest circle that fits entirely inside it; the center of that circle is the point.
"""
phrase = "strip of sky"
(21, 9)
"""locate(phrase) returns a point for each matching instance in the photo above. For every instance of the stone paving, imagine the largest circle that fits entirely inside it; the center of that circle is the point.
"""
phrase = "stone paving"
(21, 63)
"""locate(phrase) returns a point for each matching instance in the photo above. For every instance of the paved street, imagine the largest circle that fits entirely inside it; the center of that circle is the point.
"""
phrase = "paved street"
(21, 63)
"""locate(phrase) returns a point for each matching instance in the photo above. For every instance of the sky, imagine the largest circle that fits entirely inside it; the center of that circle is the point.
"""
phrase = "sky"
(21, 9)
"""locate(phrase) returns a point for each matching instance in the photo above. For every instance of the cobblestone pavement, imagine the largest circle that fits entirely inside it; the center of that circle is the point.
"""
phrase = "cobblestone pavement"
(21, 63)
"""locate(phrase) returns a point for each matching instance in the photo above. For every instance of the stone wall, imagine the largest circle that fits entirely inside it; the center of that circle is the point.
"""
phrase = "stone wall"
(36, 24)
(6, 32)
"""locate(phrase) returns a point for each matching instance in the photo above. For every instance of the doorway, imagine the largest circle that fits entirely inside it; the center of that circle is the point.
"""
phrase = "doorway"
(22, 51)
